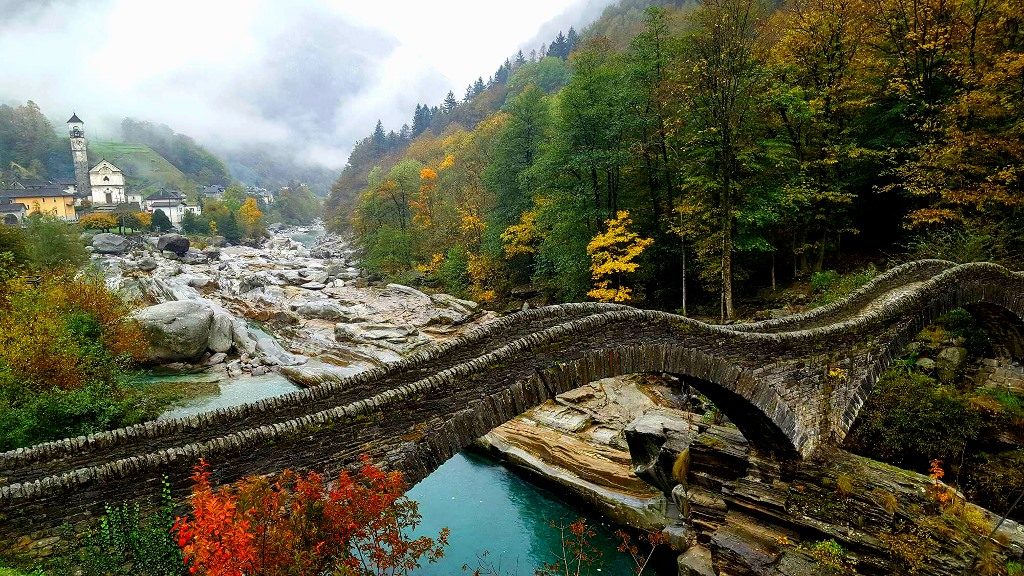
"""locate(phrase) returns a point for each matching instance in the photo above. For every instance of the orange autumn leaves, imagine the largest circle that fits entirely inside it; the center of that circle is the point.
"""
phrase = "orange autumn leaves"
(64, 330)
(300, 524)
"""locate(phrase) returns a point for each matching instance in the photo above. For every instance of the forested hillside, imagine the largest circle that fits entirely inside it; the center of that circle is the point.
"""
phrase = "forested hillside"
(722, 148)
(194, 161)
(29, 146)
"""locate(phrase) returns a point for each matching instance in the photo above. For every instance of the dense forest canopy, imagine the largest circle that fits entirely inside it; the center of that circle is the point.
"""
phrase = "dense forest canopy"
(730, 145)
(29, 146)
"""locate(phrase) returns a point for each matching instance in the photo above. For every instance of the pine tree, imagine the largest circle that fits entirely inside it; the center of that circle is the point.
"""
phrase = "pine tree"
(450, 102)
(478, 86)
(557, 48)
(501, 76)
(520, 59)
(420, 120)
(405, 133)
(469, 93)
(571, 41)
(379, 139)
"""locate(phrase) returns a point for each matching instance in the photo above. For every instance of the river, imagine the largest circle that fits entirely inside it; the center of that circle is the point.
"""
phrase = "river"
(494, 516)
(488, 509)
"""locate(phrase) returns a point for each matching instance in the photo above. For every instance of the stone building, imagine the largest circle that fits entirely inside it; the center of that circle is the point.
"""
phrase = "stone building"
(104, 185)
(108, 187)
(79, 155)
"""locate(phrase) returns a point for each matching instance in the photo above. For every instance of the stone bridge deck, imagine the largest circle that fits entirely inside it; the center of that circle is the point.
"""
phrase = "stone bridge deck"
(770, 378)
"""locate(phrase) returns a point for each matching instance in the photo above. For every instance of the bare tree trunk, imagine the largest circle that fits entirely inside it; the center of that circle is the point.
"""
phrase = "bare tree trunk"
(683, 242)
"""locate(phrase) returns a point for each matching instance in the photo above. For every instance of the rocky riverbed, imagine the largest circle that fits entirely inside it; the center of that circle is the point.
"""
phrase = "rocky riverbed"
(285, 306)
(640, 449)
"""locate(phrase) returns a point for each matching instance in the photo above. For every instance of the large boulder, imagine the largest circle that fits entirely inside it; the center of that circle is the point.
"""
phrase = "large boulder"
(177, 331)
(105, 243)
(173, 243)
(949, 363)
(221, 332)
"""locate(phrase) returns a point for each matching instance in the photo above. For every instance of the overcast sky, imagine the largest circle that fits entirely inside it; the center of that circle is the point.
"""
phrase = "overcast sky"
(315, 74)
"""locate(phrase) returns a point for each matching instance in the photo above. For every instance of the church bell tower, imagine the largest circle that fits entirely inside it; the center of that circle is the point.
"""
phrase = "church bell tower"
(76, 129)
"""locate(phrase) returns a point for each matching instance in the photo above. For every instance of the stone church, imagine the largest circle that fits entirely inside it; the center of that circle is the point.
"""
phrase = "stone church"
(104, 184)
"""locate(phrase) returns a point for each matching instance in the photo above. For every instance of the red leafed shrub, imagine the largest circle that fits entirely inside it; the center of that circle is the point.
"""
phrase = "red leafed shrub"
(299, 524)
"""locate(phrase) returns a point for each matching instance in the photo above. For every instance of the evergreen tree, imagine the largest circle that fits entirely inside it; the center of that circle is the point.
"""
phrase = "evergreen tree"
(450, 102)
(189, 223)
(380, 140)
(478, 86)
(501, 76)
(405, 133)
(520, 59)
(558, 47)
(228, 228)
(571, 41)
(420, 120)
(162, 223)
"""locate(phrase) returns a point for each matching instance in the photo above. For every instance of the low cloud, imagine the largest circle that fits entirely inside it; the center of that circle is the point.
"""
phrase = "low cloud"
(312, 77)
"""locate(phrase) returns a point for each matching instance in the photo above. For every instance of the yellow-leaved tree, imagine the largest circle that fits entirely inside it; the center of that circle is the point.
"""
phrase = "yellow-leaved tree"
(251, 218)
(612, 255)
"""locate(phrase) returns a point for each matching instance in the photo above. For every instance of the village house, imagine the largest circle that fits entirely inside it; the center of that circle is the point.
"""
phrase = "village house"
(172, 203)
(11, 213)
(51, 199)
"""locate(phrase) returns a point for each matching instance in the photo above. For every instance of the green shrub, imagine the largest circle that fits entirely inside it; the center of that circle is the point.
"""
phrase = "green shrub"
(909, 420)
(829, 285)
(453, 273)
(130, 542)
(1014, 569)
(53, 243)
(961, 324)
(29, 417)
(829, 554)
(824, 281)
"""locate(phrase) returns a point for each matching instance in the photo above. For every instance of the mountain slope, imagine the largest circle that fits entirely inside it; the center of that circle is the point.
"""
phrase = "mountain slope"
(143, 167)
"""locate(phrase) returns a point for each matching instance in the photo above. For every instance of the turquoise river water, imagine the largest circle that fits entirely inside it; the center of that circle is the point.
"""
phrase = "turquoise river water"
(494, 516)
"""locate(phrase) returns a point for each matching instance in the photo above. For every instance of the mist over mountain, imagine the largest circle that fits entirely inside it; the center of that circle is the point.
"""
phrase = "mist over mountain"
(302, 80)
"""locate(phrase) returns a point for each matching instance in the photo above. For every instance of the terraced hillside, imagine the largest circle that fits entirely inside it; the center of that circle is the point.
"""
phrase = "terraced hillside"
(142, 165)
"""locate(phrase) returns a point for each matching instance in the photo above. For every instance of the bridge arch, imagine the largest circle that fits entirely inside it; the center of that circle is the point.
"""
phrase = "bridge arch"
(755, 408)
(993, 294)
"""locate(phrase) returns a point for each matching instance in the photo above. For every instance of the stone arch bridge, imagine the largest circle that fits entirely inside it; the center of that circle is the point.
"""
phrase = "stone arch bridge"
(770, 378)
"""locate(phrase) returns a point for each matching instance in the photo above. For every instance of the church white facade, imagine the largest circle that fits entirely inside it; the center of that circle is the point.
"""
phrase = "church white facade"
(107, 186)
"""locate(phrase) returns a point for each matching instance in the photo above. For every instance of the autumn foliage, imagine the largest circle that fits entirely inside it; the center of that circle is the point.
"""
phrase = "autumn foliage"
(98, 221)
(299, 524)
(63, 330)
(613, 254)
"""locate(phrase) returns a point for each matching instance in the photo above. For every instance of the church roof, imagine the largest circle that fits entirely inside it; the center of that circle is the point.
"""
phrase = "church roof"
(102, 162)
(75, 119)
